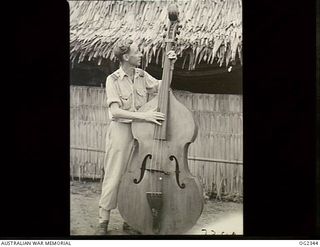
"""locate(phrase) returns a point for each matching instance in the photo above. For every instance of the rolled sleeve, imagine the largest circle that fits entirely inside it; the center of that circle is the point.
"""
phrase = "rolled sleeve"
(112, 92)
(152, 84)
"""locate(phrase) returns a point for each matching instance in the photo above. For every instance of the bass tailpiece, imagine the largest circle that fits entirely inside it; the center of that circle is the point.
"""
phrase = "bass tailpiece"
(155, 203)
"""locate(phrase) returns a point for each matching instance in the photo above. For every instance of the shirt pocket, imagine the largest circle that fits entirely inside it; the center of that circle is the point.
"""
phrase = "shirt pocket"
(141, 97)
(126, 100)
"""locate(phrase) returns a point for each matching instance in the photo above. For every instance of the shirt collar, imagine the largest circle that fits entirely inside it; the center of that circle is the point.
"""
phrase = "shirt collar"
(122, 73)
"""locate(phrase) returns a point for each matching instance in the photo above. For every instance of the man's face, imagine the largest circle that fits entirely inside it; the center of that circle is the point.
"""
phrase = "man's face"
(134, 56)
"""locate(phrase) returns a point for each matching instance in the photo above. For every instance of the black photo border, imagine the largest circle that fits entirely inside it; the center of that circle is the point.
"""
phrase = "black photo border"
(281, 162)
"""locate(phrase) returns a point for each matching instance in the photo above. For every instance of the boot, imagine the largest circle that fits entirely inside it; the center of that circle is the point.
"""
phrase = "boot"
(102, 228)
(129, 229)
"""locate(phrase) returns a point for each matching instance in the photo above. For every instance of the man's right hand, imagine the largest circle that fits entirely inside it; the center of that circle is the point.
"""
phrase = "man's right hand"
(153, 116)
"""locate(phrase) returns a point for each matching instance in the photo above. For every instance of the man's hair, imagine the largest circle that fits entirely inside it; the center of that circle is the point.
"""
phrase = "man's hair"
(122, 47)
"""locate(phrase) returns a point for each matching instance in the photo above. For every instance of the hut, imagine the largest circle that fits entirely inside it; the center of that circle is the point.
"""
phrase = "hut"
(207, 79)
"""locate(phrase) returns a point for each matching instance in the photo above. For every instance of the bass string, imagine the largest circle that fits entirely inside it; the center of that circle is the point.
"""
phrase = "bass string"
(161, 160)
(158, 161)
(159, 152)
(164, 106)
(155, 148)
(156, 156)
(161, 166)
(159, 149)
(151, 163)
(162, 143)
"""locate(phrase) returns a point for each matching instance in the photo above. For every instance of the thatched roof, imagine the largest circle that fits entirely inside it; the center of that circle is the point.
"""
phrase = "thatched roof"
(211, 29)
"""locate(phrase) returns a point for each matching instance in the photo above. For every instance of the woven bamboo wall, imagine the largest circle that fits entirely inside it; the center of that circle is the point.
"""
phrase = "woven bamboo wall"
(215, 156)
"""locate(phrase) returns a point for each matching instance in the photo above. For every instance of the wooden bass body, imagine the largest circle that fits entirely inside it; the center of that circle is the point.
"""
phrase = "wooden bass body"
(158, 194)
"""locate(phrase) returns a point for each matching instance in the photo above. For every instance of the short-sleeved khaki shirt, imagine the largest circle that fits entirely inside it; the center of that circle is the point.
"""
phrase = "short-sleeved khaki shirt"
(130, 95)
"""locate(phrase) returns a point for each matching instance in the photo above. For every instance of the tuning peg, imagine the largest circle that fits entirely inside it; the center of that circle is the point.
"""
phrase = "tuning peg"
(179, 26)
(178, 32)
(164, 36)
(165, 29)
(176, 39)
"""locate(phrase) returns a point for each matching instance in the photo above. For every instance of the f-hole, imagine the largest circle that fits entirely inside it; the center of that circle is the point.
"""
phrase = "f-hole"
(143, 168)
(182, 186)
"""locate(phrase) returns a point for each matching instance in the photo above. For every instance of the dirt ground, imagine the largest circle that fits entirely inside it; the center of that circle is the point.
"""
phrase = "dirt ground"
(217, 217)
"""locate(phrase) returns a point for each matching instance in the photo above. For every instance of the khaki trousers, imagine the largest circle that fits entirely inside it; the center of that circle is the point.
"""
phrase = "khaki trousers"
(119, 145)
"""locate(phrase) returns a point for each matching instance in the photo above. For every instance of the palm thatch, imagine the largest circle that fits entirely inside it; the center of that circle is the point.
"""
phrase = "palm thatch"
(211, 30)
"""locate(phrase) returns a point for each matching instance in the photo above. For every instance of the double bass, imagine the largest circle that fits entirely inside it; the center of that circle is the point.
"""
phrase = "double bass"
(158, 195)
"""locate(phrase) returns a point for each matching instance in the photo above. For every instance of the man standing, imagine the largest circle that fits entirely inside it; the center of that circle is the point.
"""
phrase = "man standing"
(126, 90)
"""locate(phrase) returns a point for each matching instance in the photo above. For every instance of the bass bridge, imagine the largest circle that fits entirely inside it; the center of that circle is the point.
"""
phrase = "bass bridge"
(159, 171)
